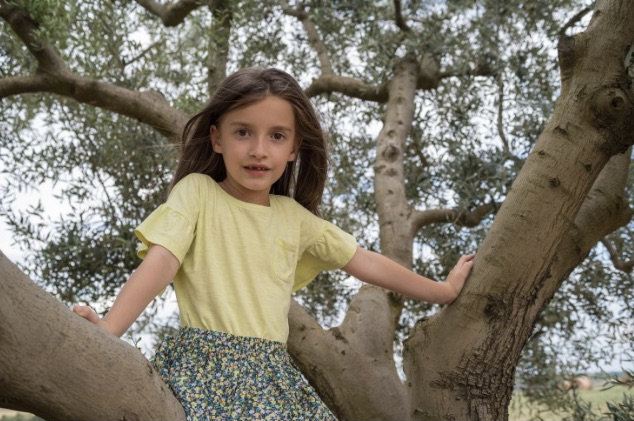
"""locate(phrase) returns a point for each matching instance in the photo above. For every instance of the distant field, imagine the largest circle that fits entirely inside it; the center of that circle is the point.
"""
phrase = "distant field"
(519, 411)
(11, 415)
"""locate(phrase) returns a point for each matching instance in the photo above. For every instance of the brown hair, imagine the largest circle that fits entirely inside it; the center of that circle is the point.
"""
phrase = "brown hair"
(304, 178)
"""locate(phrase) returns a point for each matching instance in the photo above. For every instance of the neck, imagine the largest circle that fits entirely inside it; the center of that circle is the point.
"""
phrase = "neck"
(256, 198)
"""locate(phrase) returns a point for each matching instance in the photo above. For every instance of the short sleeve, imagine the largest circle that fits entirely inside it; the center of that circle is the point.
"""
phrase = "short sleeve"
(173, 224)
(333, 249)
(167, 228)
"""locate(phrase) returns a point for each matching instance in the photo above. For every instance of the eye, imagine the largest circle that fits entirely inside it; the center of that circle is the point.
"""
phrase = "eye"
(242, 132)
(279, 136)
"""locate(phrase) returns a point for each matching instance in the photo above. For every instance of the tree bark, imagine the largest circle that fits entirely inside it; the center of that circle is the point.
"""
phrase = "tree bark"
(58, 366)
(460, 363)
(361, 349)
(336, 363)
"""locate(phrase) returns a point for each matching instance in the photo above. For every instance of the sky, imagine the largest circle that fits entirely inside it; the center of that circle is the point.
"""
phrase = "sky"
(11, 251)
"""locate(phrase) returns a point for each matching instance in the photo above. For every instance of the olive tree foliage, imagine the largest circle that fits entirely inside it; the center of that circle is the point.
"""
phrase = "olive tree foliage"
(489, 84)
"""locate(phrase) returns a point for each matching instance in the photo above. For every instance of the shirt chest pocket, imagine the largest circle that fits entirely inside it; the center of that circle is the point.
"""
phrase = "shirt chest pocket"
(284, 260)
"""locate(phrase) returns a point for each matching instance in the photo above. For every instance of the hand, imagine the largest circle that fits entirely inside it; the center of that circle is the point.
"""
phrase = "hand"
(90, 315)
(460, 272)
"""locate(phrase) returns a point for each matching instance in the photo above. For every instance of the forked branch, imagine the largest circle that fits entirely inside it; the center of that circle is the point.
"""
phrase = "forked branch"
(172, 14)
(619, 264)
(465, 219)
(54, 76)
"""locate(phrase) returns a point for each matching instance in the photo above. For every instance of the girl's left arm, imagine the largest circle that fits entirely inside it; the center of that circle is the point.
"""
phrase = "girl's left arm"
(379, 270)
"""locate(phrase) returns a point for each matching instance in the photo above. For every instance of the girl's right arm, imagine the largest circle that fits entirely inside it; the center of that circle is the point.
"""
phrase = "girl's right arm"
(153, 274)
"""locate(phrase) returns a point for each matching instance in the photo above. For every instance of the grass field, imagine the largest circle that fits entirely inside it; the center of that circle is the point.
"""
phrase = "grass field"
(520, 411)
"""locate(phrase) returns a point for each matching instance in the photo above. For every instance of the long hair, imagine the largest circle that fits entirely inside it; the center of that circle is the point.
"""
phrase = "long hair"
(304, 178)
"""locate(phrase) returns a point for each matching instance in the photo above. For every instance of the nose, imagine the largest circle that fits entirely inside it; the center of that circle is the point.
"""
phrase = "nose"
(258, 147)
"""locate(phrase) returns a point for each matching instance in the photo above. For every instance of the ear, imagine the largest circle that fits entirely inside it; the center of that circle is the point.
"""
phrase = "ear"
(295, 151)
(214, 137)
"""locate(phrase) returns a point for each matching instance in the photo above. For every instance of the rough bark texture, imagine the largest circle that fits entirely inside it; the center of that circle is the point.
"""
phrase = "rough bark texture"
(471, 348)
(362, 350)
(336, 364)
(58, 366)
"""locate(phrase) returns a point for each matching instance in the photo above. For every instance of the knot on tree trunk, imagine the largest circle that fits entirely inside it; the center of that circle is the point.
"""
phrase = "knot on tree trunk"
(613, 113)
(391, 153)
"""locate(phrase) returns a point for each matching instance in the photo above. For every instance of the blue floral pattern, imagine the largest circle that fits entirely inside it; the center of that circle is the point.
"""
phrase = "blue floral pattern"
(220, 376)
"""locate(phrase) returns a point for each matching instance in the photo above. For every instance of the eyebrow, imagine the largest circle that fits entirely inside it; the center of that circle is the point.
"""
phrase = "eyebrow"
(246, 124)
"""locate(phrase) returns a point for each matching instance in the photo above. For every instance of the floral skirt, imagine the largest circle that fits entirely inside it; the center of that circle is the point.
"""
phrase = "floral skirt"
(219, 376)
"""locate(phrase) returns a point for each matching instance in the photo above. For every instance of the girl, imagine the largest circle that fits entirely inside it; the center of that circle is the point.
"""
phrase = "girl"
(240, 231)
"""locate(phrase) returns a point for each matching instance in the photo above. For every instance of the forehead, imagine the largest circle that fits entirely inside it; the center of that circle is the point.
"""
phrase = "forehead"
(268, 111)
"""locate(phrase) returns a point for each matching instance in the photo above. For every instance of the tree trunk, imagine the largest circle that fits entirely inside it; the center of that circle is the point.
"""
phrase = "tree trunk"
(58, 366)
(361, 351)
(460, 363)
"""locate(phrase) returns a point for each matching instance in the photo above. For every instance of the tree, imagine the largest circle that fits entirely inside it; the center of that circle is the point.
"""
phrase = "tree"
(423, 72)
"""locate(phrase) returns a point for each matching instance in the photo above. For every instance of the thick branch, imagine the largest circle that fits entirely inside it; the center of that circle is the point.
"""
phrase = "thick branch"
(147, 107)
(327, 84)
(362, 348)
(427, 78)
(462, 218)
(22, 84)
(53, 76)
(428, 73)
(337, 361)
(26, 28)
(172, 14)
(604, 211)
(58, 366)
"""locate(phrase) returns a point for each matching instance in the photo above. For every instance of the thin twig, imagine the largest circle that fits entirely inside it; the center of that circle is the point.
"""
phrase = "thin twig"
(618, 263)
(398, 17)
(574, 20)
(312, 33)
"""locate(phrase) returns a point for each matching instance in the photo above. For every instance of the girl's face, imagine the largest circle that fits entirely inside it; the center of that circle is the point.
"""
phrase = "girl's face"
(256, 142)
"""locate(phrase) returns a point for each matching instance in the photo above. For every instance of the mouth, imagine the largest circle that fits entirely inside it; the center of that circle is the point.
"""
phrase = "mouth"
(256, 168)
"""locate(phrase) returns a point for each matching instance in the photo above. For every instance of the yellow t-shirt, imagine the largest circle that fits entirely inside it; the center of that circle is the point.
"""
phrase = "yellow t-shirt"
(239, 262)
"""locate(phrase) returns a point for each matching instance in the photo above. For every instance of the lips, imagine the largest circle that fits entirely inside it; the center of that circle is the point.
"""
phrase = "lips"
(256, 170)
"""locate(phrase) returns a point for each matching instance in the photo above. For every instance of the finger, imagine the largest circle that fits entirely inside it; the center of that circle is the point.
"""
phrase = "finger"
(87, 313)
(466, 260)
(81, 310)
